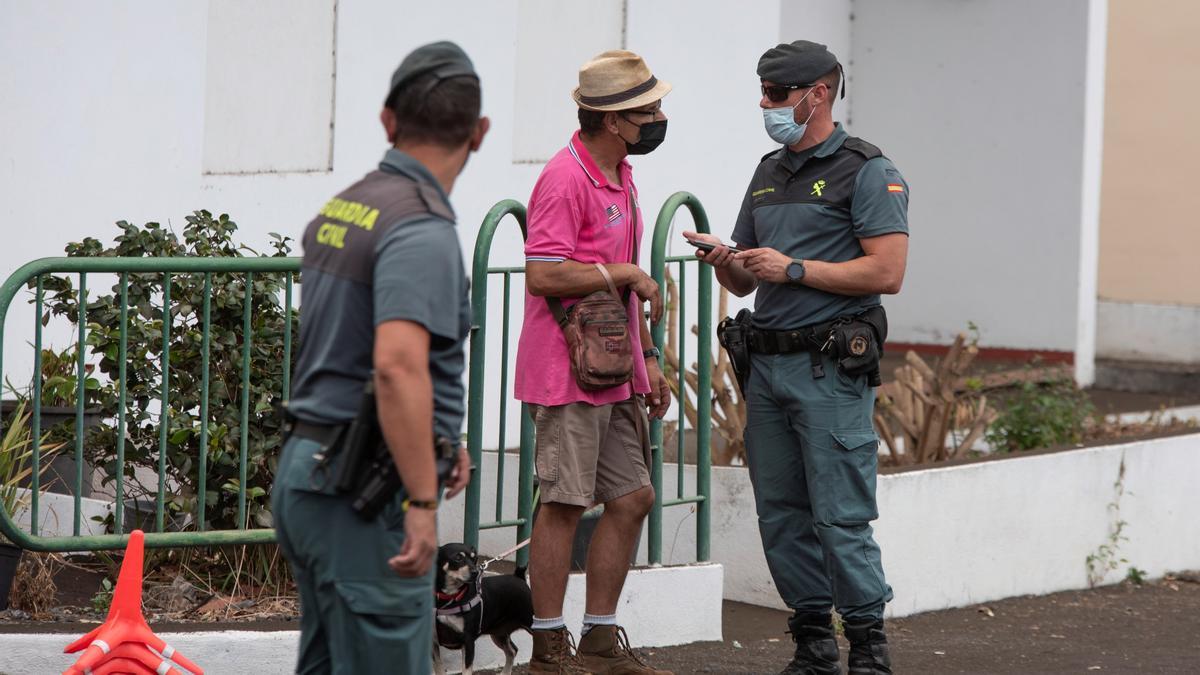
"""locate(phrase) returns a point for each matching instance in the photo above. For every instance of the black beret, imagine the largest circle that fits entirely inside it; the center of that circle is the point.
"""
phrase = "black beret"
(800, 62)
(444, 59)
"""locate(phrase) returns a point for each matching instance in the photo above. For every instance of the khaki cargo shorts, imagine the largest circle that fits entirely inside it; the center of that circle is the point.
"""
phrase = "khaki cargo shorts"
(588, 454)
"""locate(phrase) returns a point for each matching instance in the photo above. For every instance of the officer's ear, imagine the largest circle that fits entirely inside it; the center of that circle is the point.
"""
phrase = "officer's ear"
(388, 117)
(822, 95)
(481, 129)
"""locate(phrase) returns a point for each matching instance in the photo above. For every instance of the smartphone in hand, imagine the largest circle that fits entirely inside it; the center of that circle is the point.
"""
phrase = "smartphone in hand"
(707, 247)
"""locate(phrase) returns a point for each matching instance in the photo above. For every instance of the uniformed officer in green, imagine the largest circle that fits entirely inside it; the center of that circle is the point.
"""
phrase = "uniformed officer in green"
(385, 292)
(823, 230)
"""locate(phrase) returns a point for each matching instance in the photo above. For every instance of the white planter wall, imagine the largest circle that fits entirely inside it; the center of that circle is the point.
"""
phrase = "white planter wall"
(957, 536)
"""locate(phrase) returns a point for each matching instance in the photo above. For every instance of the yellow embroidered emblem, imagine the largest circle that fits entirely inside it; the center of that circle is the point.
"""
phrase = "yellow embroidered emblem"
(818, 187)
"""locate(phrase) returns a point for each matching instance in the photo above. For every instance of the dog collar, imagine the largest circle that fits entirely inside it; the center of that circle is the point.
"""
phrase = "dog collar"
(456, 604)
(446, 597)
(460, 608)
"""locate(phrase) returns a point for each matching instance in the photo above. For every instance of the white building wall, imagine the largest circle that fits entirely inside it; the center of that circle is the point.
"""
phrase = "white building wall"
(990, 110)
(105, 119)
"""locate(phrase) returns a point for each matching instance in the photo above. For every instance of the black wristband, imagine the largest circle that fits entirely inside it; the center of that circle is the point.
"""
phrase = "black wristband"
(651, 353)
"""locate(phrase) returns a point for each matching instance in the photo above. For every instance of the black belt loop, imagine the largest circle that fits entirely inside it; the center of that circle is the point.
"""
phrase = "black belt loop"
(808, 338)
(814, 359)
(325, 434)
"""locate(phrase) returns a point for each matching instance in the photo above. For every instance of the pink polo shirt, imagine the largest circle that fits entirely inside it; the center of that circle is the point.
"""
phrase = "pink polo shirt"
(575, 214)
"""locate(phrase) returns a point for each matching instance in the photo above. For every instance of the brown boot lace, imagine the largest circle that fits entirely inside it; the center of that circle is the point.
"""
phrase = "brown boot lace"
(624, 649)
(566, 654)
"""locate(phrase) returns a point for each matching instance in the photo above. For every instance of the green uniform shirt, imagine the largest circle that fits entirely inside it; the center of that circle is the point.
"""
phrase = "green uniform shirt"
(412, 271)
(817, 205)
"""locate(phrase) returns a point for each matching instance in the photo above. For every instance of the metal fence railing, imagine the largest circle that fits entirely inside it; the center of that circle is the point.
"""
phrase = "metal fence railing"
(703, 428)
(34, 275)
(478, 388)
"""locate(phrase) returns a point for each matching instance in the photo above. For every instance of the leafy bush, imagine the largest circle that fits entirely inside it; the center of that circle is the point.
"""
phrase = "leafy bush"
(59, 378)
(1039, 416)
(203, 235)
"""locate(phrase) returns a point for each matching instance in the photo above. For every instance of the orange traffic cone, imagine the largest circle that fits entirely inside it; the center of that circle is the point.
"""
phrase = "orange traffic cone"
(124, 643)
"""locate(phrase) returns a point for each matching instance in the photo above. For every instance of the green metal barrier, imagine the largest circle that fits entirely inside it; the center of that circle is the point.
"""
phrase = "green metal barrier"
(35, 272)
(478, 386)
(481, 272)
(658, 267)
(477, 389)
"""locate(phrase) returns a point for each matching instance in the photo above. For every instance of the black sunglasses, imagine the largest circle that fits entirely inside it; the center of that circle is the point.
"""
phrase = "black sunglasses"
(778, 93)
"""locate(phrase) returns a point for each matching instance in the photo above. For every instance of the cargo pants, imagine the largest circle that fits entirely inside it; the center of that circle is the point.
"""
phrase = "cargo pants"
(357, 616)
(811, 450)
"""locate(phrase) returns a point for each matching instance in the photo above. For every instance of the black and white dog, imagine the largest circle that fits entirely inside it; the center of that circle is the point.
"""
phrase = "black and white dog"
(470, 605)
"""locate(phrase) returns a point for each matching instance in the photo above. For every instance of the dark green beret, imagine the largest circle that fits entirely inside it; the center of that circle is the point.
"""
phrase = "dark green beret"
(444, 59)
(800, 62)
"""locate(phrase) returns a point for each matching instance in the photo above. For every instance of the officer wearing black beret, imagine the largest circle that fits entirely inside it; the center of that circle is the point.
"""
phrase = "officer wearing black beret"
(823, 233)
(385, 299)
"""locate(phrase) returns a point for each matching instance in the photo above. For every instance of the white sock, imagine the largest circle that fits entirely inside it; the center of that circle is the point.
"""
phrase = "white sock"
(553, 623)
(592, 620)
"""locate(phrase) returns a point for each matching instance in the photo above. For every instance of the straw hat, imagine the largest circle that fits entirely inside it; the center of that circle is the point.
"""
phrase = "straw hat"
(617, 80)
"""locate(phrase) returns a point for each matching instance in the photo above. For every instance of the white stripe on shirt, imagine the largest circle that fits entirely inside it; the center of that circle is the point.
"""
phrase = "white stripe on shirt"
(571, 149)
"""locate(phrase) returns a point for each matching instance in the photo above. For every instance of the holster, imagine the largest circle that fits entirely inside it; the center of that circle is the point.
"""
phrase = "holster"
(734, 336)
(362, 442)
(381, 483)
(367, 472)
(857, 343)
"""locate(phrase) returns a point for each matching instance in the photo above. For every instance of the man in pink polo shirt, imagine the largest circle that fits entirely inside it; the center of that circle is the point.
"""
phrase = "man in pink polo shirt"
(593, 447)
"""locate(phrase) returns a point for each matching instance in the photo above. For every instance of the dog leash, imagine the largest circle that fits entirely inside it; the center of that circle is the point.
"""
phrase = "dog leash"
(504, 555)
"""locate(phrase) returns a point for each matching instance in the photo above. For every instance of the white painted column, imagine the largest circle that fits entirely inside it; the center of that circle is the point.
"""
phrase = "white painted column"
(1089, 230)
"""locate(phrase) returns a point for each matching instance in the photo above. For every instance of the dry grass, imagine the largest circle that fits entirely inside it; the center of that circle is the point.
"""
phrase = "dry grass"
(33, 588)
(728, 407)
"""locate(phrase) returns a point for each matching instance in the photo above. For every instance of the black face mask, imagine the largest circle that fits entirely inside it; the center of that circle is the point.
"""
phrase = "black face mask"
(651, 136)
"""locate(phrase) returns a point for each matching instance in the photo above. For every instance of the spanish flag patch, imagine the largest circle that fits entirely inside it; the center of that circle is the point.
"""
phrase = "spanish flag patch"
(895, 187)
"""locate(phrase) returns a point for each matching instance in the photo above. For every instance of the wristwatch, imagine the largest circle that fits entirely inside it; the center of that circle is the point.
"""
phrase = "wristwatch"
(426, 504)
(795, 271)
(651, 353)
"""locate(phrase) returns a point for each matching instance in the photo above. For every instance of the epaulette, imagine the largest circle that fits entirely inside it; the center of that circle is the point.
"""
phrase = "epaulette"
(862, 147)
(771, 154)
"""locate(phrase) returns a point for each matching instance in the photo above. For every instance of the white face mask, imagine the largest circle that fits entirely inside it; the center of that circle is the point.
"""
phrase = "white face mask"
(781, 123)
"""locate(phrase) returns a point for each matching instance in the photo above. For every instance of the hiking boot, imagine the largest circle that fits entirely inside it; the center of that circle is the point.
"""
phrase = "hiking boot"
(554, 652)
(868, 649)
(605, 650)
(816, 646)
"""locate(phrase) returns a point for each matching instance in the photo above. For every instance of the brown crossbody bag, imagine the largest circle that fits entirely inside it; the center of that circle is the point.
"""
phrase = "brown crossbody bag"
(597, 329)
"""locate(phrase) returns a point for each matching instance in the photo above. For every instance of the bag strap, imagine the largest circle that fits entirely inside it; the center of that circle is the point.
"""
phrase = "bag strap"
(560, 314)
(612, 288)
(633, 252)
(556, 306)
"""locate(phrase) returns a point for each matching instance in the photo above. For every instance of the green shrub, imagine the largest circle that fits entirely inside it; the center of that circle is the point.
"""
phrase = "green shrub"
(203, 235)
(1041, 415)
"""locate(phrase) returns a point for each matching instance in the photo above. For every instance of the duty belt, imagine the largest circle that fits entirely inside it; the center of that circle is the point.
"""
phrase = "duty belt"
(814, 339)
(325, 434)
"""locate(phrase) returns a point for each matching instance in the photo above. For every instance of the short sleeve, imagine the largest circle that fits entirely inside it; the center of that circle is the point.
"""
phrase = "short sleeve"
(743, 229)
(552, 227)
(880, 204)
(419, 277)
